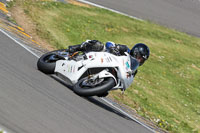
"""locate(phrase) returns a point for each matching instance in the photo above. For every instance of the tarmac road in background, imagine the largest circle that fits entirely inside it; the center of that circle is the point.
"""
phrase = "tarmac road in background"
(183, 15)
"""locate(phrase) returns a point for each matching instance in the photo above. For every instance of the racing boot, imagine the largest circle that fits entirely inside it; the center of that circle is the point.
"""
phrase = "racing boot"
(75, 48)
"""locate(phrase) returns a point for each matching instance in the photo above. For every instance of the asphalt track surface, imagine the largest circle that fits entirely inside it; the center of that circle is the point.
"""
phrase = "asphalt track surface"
(182, 15)
(32, 102)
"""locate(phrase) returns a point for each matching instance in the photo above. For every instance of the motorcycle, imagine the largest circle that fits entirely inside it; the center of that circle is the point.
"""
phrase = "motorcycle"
(90, 73)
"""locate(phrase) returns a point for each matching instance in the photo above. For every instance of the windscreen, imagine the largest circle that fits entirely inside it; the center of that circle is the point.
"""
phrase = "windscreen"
(134, 64)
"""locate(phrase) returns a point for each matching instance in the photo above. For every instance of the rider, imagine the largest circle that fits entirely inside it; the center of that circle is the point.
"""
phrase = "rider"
(139, 51)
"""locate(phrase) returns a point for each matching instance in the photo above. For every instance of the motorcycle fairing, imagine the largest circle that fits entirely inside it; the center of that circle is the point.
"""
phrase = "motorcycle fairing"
(73, 70)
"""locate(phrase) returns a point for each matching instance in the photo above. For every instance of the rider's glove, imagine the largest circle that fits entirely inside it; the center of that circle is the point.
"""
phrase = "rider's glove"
(129, 73)
(114, 50)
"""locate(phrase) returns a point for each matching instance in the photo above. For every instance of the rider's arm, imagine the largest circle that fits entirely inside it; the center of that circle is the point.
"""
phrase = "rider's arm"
(134, 73)
(111, 47)
(121, 48)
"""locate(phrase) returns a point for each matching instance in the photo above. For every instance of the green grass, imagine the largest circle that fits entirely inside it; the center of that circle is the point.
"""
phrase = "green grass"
(166, 88)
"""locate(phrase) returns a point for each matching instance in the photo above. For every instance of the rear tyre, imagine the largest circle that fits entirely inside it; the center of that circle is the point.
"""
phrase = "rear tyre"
(47, 62)
(98, 90)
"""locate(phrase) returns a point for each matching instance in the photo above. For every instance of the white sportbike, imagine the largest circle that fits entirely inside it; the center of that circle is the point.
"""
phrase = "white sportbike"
(90, 73)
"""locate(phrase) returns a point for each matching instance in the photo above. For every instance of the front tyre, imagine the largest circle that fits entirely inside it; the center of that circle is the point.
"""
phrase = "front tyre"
(82, 89)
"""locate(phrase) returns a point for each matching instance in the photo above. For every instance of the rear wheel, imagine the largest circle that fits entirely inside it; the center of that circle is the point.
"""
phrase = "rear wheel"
(86, 87)
(47, 62)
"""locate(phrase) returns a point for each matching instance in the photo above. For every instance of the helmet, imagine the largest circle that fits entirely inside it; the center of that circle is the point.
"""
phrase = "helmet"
(141, 52)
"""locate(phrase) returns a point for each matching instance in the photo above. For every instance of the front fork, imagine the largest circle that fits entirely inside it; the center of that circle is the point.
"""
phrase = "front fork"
(103, 74)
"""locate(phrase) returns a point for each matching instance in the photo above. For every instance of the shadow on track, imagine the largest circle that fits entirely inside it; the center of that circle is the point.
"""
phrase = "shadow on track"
(93, 100)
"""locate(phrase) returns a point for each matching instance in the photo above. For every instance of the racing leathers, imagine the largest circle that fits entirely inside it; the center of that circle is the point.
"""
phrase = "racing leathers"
(95, 45)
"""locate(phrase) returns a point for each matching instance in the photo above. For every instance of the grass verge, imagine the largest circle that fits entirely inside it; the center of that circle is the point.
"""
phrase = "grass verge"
(166, 89)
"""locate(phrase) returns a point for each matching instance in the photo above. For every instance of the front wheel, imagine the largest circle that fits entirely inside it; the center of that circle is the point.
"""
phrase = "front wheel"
(47, 62)
(85, 88)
